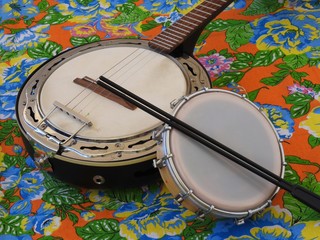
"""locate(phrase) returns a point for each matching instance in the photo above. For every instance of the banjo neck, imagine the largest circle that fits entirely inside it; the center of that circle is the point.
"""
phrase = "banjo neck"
(183, 34)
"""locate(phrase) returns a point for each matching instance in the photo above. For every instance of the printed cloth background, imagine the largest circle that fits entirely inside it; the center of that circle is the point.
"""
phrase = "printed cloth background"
(270, 49)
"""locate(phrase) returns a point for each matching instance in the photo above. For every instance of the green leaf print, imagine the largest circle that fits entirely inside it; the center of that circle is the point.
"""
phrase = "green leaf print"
(291, 175)
(45, 50)
(14, 225)
(298, 160)
(253, 94)
(244, 57)
(102, 229)
(78, 41)
(50, 238)
(223, 25)
(272, 81)
(296, 61)
(258, 7)
(238, 65)
(43, 5)
(149, 25)
(277, 78)
(298, 75)
(313, 141)
(299, 110)
(7, 56)
(84, 2)
(200, 236)
(301, 104)
(227, 78)
(54, 17)
(130, 13)
(265, 58)
(299, 211)
(62, 195)
(239, 35)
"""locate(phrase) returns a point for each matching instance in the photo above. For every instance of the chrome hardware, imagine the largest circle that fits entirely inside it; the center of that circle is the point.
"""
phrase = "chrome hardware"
(156, 135)
(42, 162)
(162, 162)
(175, 102)
(239, 221)
(202, 213)
(72, 113)
(98, 179)
(181, 197)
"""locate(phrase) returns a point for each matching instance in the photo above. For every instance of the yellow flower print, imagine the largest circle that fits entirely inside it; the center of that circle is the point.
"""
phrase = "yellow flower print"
(311, 231)
(87, 216)
(276, 232)
(53, 225)
(3, 166)
(292, 32)
(312, 123)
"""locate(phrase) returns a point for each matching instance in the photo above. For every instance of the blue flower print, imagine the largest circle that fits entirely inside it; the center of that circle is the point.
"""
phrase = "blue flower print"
(44, 220)
(17, 8)
(237, 4)
(157, 6)
(30, 184)
(305, 4)
(13, 75)
(24, 39)
(12, 237)
(89, 11)
(21, 207)
(280, 118)
(167, 21)
(274, 223)
(157, 217)
(293, 32)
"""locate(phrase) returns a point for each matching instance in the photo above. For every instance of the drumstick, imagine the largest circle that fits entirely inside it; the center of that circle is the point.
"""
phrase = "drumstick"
(302, 194)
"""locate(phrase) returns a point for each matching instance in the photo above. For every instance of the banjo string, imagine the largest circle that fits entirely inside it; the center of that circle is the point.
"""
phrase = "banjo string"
(119, 76)
(87, 91)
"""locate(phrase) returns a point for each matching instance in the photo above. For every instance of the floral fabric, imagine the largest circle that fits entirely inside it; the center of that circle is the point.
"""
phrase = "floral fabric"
(265, 49)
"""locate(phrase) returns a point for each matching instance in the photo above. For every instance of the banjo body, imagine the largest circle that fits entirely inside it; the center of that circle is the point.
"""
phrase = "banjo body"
(87, 139)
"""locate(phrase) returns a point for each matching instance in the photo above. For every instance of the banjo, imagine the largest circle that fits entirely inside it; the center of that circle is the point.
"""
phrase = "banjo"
(70, 125)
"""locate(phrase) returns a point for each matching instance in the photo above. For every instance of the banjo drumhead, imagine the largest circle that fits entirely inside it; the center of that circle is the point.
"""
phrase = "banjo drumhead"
(238, 124)
(148, 74)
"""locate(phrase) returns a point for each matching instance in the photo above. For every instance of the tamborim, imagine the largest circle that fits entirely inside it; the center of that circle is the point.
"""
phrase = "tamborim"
(205, 181)
(79, 134)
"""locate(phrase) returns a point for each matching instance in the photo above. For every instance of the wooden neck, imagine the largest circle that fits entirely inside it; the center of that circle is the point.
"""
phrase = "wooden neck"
(186, 27)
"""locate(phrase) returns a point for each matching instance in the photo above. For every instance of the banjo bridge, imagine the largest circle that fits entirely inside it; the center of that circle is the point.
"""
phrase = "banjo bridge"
(91, 84)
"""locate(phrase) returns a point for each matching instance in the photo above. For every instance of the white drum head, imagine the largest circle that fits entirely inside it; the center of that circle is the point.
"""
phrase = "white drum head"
(239, 125)
(150, 75)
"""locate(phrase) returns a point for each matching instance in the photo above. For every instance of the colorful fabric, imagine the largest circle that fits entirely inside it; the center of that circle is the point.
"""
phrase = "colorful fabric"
(266, 49)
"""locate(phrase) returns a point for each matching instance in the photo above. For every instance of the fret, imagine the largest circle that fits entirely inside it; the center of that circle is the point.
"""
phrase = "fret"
(159, 45)
(165, 40)
(199, 10)
(193, 18)
(174, 39)
(177, 23)
(200, 16)
(215, 4)
(182, 20)
(163, 43)
(208, 7)
(188, 26)
(173, 35)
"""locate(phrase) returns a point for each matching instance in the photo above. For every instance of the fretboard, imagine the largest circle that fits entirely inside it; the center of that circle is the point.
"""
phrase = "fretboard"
(178, 32)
